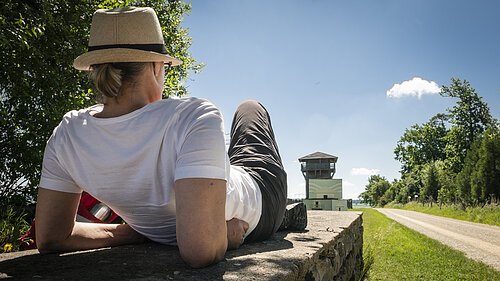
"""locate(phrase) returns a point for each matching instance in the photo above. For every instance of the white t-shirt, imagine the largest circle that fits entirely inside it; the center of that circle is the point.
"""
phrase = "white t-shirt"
(131, 162)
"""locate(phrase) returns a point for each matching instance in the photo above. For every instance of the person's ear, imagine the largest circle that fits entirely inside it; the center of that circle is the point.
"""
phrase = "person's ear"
(156, 68)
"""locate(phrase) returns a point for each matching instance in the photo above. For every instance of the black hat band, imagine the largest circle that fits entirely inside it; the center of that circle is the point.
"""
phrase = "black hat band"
(157, 48)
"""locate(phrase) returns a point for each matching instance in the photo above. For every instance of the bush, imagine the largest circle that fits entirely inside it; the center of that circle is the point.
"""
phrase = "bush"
(12, 226)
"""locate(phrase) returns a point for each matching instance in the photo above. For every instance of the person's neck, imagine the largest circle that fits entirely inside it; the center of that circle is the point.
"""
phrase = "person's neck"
(145, 89)
(125, 103)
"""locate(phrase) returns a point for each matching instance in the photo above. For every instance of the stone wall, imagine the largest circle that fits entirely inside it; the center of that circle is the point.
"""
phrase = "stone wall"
(339, 259)
(329, 249)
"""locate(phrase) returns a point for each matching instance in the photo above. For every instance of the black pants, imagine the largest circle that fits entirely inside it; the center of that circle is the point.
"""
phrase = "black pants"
(253, 147)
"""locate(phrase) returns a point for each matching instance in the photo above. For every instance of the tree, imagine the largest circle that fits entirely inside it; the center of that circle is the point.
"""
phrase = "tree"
(485, 178)
(463, 179)
(469, 119)
(366, 198)
(448, 191)
(392, 194)
(431, 184)
(38, 84)
(403, 195)
(422, 144)
(375, 189)
(414, 183)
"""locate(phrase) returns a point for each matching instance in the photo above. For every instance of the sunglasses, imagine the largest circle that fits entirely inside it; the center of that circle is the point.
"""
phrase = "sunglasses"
(167, 66)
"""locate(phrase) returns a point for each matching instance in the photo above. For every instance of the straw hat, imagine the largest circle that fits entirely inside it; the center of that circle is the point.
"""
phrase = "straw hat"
(128, 34)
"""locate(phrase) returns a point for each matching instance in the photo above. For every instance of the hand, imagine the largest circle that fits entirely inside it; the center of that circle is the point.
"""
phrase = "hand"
(236, 230)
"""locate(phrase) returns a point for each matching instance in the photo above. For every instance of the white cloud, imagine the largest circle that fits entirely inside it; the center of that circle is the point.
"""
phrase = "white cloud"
(414, 87)
(364, 171)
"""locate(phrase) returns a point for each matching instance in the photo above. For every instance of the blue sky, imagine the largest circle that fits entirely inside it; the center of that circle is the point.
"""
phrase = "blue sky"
(324, 69)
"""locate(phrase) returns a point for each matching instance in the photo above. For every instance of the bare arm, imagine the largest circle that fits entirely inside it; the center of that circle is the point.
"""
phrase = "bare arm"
(57, 231)
(201, 224)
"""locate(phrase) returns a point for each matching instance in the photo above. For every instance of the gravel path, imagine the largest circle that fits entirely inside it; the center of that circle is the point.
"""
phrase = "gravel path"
(478, 241)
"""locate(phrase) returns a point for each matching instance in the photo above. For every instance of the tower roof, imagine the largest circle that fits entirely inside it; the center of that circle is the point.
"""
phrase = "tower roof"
(318, 155)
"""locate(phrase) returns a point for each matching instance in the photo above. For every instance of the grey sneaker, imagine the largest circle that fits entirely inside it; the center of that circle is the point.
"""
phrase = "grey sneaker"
(295, 217)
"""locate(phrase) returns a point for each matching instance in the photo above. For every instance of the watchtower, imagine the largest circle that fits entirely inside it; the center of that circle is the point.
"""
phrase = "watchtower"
(323, 192)
(317, 165)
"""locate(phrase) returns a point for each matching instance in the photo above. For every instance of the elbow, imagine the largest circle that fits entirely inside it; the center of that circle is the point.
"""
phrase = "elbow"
(45, 247)
(202, 257)
(197, 262)
(44, 251)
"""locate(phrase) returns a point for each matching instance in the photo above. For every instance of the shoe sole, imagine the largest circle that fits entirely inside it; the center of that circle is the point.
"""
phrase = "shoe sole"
(297, 217)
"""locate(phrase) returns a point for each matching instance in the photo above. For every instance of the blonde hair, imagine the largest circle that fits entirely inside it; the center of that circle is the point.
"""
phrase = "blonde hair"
(108, 78)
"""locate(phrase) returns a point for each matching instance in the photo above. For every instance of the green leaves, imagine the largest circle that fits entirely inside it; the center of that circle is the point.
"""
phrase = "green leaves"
(375, 189)
(431, 183)
(422, 143)
(469, 119)
(485, 172)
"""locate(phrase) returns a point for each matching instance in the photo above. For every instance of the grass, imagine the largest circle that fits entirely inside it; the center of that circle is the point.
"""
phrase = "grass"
(489, 214)
(394, 252)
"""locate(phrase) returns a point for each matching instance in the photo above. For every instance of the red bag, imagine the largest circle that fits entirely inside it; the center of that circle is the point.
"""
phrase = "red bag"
(93, 210)
(90, 209)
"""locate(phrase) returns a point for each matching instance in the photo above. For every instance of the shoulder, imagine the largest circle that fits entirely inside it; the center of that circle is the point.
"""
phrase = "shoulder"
(74, 119)
(195, 107)
(73, 115)
(194, 103)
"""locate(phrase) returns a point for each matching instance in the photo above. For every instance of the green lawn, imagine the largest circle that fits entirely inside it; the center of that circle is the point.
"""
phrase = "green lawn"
(394, 252)
(489, 214)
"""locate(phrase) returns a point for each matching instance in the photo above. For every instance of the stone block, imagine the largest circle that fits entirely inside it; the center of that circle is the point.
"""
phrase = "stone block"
(329, 249)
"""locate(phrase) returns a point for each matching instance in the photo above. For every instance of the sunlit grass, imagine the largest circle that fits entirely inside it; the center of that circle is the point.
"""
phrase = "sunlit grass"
(399, 253)
(489, 214)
